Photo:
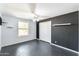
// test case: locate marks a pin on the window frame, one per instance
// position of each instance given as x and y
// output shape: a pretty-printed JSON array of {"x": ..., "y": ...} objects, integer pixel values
[{"x": 27, "y": 29}]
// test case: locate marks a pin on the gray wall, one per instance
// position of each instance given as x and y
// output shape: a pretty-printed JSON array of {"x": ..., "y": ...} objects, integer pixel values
[
  {"x": 0, "y": 35},
  {"x": 78, "y": 30},
  {"x": 66, "y": 36},
  {"x": 10, "y": 35}
]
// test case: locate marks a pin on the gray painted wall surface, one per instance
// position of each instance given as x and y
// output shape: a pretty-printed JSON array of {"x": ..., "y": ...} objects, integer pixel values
[{"x": 10, "y": 35}]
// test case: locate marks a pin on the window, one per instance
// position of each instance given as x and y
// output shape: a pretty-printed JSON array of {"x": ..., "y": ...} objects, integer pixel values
[{"x": 23, "y": 28}]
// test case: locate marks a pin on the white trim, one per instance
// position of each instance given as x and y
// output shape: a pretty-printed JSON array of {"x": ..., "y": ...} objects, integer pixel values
[
  {"x": 62, "y": 47},
  {"x": 16, "y": 43}
]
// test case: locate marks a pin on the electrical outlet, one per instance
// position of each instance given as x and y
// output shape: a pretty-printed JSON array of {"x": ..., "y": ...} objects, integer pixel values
[{"x": 55, "y": 41}]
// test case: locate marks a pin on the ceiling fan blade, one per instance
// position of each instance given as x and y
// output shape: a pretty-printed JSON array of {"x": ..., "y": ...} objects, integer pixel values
[
  {"x": 32, "y": 10},
  {"x": 39, "y": 15}
]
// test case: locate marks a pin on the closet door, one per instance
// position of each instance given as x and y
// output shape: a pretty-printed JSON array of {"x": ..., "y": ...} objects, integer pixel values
[{"x": 45, "y": 31}]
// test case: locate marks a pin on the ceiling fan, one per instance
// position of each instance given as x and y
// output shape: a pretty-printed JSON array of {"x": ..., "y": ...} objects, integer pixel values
[{"x": 33, "y": 9}]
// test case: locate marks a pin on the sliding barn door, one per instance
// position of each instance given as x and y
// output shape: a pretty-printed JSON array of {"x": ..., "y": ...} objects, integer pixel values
[{"x": 45, "y": 31}]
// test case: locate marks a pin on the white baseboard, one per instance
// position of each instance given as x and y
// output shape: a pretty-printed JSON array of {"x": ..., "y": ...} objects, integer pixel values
[
  {"x": 62, "y": 47},
  {"x": 16, "y": 43}
]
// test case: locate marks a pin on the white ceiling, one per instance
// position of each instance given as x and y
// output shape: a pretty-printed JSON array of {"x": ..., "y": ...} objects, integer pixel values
[
  {"x": 55, "y": 9},
  {"x": 19, "y": 10},
  {"x": 42, "y": 10}
]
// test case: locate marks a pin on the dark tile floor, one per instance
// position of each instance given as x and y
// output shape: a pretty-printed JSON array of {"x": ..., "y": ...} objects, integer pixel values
[{"x": 34, "y": 48}]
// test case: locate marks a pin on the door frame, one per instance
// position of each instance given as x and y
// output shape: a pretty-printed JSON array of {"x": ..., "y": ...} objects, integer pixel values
[{"x": 37, "y": 27}]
